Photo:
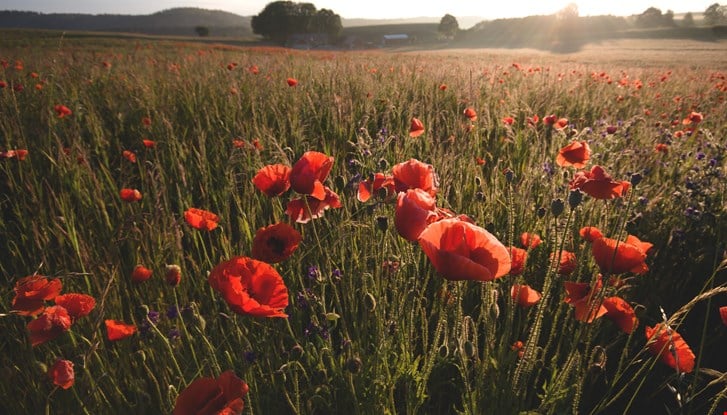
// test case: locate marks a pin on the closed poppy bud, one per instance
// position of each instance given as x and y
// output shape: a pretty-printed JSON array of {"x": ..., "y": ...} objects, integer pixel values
[
  {"x": 575, "y": 197},
  {"x": 370, "y": 302},
  {"x": 62, "y": 373},
  {"x": 173, "y": 275},
  {"x": 636, "y": 179},
  {"x": 416, "y": 128},
  {"x": 353, "y": 365},
  {"x": 140, "y": 274},
  {"x": 557, "y": 206}
]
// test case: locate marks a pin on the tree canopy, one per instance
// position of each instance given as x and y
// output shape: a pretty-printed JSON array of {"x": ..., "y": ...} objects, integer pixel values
[
  {"x": 280, "y": 19},
  {"x": 715, "y": 14},
  {"x": 448, "y": 26}
]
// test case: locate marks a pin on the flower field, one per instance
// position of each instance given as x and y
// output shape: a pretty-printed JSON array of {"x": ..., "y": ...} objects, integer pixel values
[{"x": 201, "y": 229}]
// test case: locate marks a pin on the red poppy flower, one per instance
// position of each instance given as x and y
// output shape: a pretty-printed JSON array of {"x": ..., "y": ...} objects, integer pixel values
[
  {"x": 62, "y": 373},
  {"x": 309, "y": 173},
  {"x": 77, "y": 305},
  {"x": 373, "y": 184},
  {"x": 250, "y": 287},
  {"x": 460, "y": 250},
  {"x": 149, "y": 143},
  {"x": 620, "y": 312},
  {"x": 146, "y": 121},
  {"x": 173, "y": 275},
  {"x": 273, "y": 179},
  {"x": 275, "y": 243},
  {"x": 508, "y": 120},
  {"x": 581, "y": 295},
  {"x": 304, "y": 210},
  {"x": 415, "y": 210},
  {"x": 530, "y": 240},
  {"x": 254, "y": 69},
  {"x": 416, "y": 128},
  {"x": 210, "y": 396},
  {"x": 470, "y": 113},
  {"x": 62, "y": 111},
  {"x": 32, "y": 291},
  {"x": 524, "y": 296},
  {"x": 723, "y": 314},
  {"x": 129, "y": 155},
  {"x": 590, "y": 233},
  {"x": 130, "y": 195},
  {"x": 567, "y": 263},
  {"x": 693, "y": 117},
  {"x": 414, "y": 174},
  {"x": 533, "y": 121},
  {"x": 201, "y": 219},
  {"x": 670, "y": 347},
  {"x": 617, "y": 257},
  {"x": 598, "y": 184},
  {"x": 561, "y": 123},
  {"x": 661, "y": 148},
  {"x": 52, "y": 323},
  {"x": 518, "y": 257},
  {"x": 140, "y": 274},
  {"x": 443, "y": 87},
  {"x": 3, "y": 84},
  {"x": 292, "y": 81},
  {"x": 550, "y": 119},
  {"x": 118, "y": 330},
  {"x": 575, "y": 154}
]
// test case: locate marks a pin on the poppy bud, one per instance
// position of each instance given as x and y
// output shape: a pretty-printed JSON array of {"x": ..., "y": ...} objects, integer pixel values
[
  {"x": 636, "y": 179},
  {"x": 370, "y": 302},
  {"x": 173, "y": 275},
  {"x": 383, "y": 164},
  {"x": 557, "y": 206},
  {"x": 382, "y": 223},
  {"x": 480, "y": 196},
  {"x": 353, "y": 365},
  {"x": 297, "y": 352},
  {"x": 469, "y": 349},
  {"x": 575, "y": 197},
  {"x": 443, "y": 351},
  {"x": 478, "y": 181},
  {"x": 540, "y": 212},
  {"x": 509, "y": 175}
]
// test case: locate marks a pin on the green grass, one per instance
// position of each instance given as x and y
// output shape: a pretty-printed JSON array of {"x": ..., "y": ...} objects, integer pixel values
[{"x": 424, "y": 344}]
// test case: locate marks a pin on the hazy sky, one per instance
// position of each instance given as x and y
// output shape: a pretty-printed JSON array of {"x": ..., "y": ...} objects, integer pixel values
[{"x": 366, "y": 8}]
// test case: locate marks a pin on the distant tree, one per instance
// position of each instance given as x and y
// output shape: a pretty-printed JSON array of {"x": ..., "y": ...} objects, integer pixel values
[
  {"x": 668, "y": 18},
  {"x": 280, "y": 19},
  {"x": 328, "y": 22},
  {"x": 568, "y": 36},
  {"x": 448, "y": 26},
  {"x": 651, "y": 17},
  {"x": 715, "y": 15},
  {"x": 202, "y": 31},
  {"x": 568, "y": 12},
  {"x": 688, "y": 20}
]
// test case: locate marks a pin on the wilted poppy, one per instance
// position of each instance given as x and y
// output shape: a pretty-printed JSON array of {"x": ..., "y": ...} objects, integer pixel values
[
  {"x": 415, "y": 210},
  {"x": 416, "y": 128},
  {"x": 575, "y": 154},
  {"x": 211, "y": 396},
  {"x": 414, "y": 174},
  {"x": 598, "y": 184},
  {"x": 201, "y": 219},
  {"x": 292, "y": 81},
  {"x": 118, "y": 330},
  {"x": 470, "y": 113},
  {"x": 62, "y": 111},
  {"x": 140, "y": 274},
  {"x": 250, "y": 287},
  {"x": 374, "y": 184},
  {"x": 273, "y": 179},
  {"x": 518, "y": 256},
  {"x": 530, "y": 240},
  {"x": 567, "y": 263},
  {"x": 582, "y": 296},
  {"x": 275, "y": 243},
  {"x": 62, "y": 374},
  {"x": 524, "y": 296},
  {"x": 304, "y": 210},
  {"x": 130, "y": 195},
  {"x": 670, "y": 347},
  {"x": 617, "y": 257},
  {"x": 77, "y": 305},
  {"x": 52, "y": 323},
  {"x": 32, "y": 291},
  {"x": 173, "y": 275},
  {"x": 309, "y": 173},
  {"x": 620, "y": 312},
  {"x": 129, "y": 155},
  {"x": 460, "y": 250}
]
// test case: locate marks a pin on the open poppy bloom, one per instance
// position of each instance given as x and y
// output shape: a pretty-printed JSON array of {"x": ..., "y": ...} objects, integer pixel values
[
  {"x": 201, "y": 219},
  {"x": 620, "y": 312},
  {"x": 52, "y": 323},
  {"x": 373, "y": 184},
  {"x": 617, "y": 257},
  {"x": 470, "y": 113},
  {"x": 275, "y": 243},
  {"x": 62, "y": 111},
  {"x": 416, "y": 128},
  {"x": 561, "y": 123},
  {"x": 530, "y": 240},
  {"x": 129, "y": 155},
  {"x": 309, "y": 173},
  {"x": 508, "y": 120},
  {"x": 693, "y": 117},
  {"x": 414, "y": 174},
  {"x": 20, "y": 154},
  {"x": 518, "y": 256},
  {"x": 212, "y": 396},
  {"x": 77, "y": 305},
  {"x": 292, "y": 81},
  {"x": 415, "y": 210},
  {"x": 590, "y": 233},
  {"x": 723, "y": 314},
  {"x": 304, "y": 210},
  {"x": 149, "y": 143},
  {"x": 581, "y": 295},
  {"x": 575, "y": 154},
  {"x": 670, "y": 347},
  {"x": 460, "y": 250},
  {"x": 118, "y": 330},
  {"x": 32, "y": 291},
  {"x": 273, "y": 179},
  {"x": 62, "y": 373},
  {"x": 130, "y": 195},
  {"x": 598, "y": 184},
  {"x": 140, "y": 274},
  {"x": 250, "y": 287},
  {"x": 567, "y": 263},
  {"x": 524, "y": 296},
  {"x": 550, "y": 119}
]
